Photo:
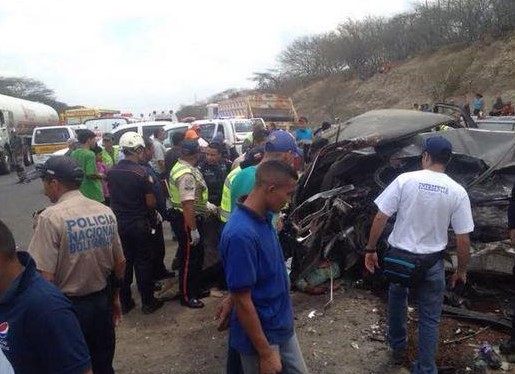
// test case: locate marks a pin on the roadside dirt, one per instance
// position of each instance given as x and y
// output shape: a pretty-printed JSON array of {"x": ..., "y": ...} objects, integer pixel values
[{"x": 346, "y": 338}]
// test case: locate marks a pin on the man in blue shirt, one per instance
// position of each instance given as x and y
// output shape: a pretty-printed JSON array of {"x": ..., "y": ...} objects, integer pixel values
[
  {"x": 39, "y": 331},
  {"x": 261, "y": 327}
]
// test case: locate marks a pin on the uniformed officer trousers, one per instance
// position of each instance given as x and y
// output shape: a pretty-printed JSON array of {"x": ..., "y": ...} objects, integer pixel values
[
  {"x": 137, "y": 247},
  {"x": 94, "y": 312},
  {"x": 190, "y": 257}
]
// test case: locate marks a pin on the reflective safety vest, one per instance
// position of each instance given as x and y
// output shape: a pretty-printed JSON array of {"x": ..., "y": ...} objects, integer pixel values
[
  {"x": 225, "y": 205},
  {"x": 108, "y": 160},
  {"x": 178, "y": 170}
]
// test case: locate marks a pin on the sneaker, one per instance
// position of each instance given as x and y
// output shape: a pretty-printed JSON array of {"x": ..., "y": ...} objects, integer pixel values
[
  {"x": 126, "y": 308},
  {"x": 398, "y": 356},
  {"x": 193, "y": 303},
  {"x": 152, "y": 307},
  {"x": 507, "y": 347}
]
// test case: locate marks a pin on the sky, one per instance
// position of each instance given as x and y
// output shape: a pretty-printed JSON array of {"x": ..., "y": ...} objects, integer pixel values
[{"x": 144, "y": 55}]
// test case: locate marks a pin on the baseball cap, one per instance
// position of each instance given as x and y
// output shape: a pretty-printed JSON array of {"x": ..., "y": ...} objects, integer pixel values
[
  {"x": 108, "y": 136},
  {"x": 253, "y": 157},
  {"x": 436, "y": 145},
  {"x": 281, "y": 141},
  {"x": 189, "y": 147},
  {"x": 60, "y": 167},
  {"x": 85, "y": 135}
]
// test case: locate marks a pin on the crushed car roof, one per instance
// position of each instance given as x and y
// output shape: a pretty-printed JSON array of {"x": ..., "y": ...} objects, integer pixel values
[{"x": 387, "y": 124}]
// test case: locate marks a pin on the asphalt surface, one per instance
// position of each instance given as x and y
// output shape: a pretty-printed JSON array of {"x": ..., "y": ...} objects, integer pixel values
[{"x": 17, "y": 203}]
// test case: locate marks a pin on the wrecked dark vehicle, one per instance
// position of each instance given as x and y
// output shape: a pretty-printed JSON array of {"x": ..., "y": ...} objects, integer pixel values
[{"x": 333, "y": 209}]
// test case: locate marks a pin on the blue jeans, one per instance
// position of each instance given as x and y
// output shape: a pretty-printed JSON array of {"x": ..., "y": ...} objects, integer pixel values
[
  {"x": 430, "y": 301},
  {"x": 291, "y": 359}
]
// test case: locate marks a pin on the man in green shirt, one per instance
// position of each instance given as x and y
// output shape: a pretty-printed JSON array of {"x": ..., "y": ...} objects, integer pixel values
[{"x": 91, "y": 186}]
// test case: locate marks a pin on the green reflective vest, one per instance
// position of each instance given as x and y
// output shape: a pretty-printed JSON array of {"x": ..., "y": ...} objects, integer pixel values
[
  {"x": 178, "y": 170},
  {"x": 108, "y": 160},
  {"x": 225, "y": 205}
]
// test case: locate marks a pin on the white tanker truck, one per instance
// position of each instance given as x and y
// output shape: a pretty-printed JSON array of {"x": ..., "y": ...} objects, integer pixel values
[{"x": 19, "y": 117}]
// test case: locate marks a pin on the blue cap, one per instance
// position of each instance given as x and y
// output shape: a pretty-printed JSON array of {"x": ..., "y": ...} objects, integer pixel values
[
  {"x": 190, "y": 147},
  {"x": 436, "y": 145},
  {"x": 281, "y": 141}
]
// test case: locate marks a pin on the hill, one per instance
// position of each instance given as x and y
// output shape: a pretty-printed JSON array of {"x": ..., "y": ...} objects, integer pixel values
[{"x": 452, "y": 73}]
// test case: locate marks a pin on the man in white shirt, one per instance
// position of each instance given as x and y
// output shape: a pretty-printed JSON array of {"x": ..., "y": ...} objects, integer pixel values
[
  {"x": 426, "y": 203},
  {"x": 158, "y": 159}
]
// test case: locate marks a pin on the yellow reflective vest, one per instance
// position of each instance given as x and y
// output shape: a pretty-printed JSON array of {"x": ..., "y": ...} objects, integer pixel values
[
  {"x": 225, "y": 205},
  {"x": 178, "y": 170}
]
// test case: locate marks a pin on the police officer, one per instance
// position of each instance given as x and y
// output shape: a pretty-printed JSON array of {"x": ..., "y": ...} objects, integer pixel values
[
  {"x": 134, "y": 203},
  {"x": 214, "y": 170},
  {"x": 158, "y": 254},
  {"x": 189, "y": 196},
  {"x": 76, "y": 246}
]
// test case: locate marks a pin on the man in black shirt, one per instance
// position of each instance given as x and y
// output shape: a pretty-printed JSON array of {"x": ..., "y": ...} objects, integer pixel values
[
  {"x": 173, "y": 154},
  {"x": 214, "y": 170},
  {"x": 134, "y": 204}
]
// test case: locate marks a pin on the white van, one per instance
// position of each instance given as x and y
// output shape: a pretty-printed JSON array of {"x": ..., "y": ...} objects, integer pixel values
[{"x": 49, "y": 139}]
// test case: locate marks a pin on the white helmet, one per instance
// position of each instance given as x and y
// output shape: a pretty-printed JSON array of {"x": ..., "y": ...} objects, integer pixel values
[{"x": 131, "y": 140}]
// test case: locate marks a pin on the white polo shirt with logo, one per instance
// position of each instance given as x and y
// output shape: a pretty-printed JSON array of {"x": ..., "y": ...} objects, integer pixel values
[{"x": 427, "y": 203}]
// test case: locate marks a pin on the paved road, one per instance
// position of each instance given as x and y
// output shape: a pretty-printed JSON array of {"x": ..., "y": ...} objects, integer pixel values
[{"x": 17, "y": 203}]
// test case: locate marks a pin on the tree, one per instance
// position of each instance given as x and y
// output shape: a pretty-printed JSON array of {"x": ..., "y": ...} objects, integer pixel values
[{"x": 30, "y": 89}]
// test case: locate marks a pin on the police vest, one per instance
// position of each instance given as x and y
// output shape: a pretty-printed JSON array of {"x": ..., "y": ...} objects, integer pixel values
[
  {"x": 178, "y": 170},
  {"x": 225, "y": 205}
]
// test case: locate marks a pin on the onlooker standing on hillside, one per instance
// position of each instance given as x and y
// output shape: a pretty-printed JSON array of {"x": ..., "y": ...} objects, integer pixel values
[
  {"x": 261, "y": 328},
  {"x": 304, "y": 136},
  {"x": 91, "y": 185},
  {"x": 478, "y": 104},
  {"x": 158, "y": 159},
  {"x": 497, "y": 107},
  {"x": 426, "y": 202}
]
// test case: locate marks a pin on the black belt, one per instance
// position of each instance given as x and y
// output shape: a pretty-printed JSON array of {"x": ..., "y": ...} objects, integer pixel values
[{"x": 89, "y": 296}]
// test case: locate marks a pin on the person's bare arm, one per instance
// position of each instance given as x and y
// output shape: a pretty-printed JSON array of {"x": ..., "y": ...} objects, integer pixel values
[
  {"x": 89, "y": 371},
  {"x": 463, "y": 252},
  {"x": 269, "y": 360},
  {"x": 161, "y": 165},
  {"x": 377, "y": 229},
  {"x": 188, "y": 208},
  {"x": 371, "y": 259}
]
